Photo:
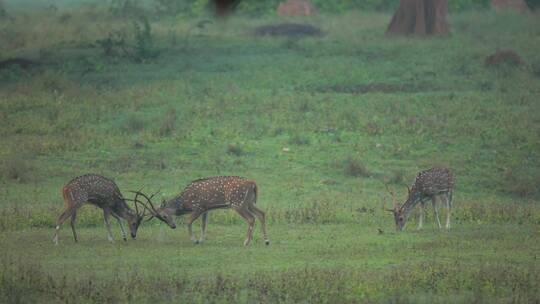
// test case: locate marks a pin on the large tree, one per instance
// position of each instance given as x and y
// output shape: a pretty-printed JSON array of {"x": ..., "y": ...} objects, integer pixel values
[{"x": 420, "y": 17}]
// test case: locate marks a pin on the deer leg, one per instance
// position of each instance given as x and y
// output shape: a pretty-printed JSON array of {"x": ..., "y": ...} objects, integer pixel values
[
  {"x": 192, "y": 218},
  {"x": 422, "y": 214},
  {"x": 122, "y": 229},
  {"x": 261, "y": 216},
  {"x": 251, "y": 221},
  {"x": 436, "y": 211},
  {"x": 61, "y": 219},
  {"x": 106, "y": 214},
  {"x": 204, "y": 222},
  {"x": 448, "y": 209},
  {"x": 73, "y": 219},
  {"x": 121, "y": 224}
]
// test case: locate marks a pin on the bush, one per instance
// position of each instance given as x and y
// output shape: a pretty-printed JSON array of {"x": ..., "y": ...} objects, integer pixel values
[
  {"x": 169, "y": 124},
  {"x": 355, "y": 168},
  {"x": 16, "y": 168},
  {"x": 127, "y": 8},
  {"x": 235, "y": 149},
  {"x": 133, "y": 124},
  {"x": 522, "y": 180},
  {"x": 144, "y": 41}
]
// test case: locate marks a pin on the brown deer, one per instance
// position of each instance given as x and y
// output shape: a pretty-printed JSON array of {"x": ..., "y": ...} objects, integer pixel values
[
  {"x": 206, "y": 194},
  {"x": 428, "y": 185},
  {"x": 102, "y": 193}
]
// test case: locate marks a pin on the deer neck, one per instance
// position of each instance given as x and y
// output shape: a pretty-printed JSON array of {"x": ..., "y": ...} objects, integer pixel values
[
  {"x": 411, "y": 202},
  {"x": 124, "y": 211},
  {"x": 177, "y": 205}
]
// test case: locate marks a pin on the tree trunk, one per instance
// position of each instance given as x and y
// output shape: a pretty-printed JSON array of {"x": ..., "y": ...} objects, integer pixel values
[{"x": 420, "y": 17}]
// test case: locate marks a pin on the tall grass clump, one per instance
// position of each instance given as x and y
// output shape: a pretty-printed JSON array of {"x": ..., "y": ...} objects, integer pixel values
[
  {"x": 355, "y": 168},
  {"x": 17, "y": 168}
]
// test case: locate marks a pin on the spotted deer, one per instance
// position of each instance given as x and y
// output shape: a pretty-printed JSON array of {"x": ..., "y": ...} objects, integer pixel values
[
  {"x": 206, "y": 194},
  {"x": 428, "y": 185},
  {"x": 102, "y": 193}
]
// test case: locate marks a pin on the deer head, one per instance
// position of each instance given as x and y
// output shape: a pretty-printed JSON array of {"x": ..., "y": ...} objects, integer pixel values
[
  {"x": 136, "y": 219},
  {"x": 164, "y": 214},
  {"x": 399, "y": 216}
]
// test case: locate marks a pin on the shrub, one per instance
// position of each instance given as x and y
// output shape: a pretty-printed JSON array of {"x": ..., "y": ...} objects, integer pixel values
[
  {"x": 522, "y": 180},
  {"x": 16, "y": 168},
  {"x": 355, "y": 168},
  {"x": 299, "y": 140},
  {"x": 235, "y": 149},
  {"x": 127, "y": 8},
  {"x": 169, "y": 123},
  {"x": 133, "y": 124},
  {"x": 396, "y": 176},
  {"x": 144, "y": 41}
]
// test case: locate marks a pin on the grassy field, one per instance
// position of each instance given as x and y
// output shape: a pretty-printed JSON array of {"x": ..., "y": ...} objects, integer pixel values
[{"x": 320, "y": 123}]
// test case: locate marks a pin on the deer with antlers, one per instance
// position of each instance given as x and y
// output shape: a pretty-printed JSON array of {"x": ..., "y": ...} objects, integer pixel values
[
  {"x": 428, "y": 185},
  {"x": 102, "y": 193},
  {"x": 206, "y": 194}
]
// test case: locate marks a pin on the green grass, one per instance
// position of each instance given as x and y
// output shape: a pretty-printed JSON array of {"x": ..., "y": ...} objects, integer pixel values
[{"x": 319, "y": 123}]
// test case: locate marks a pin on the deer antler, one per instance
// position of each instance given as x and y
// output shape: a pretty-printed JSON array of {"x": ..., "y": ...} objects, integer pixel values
[
  {"x": 394, "y": 201},
  {"x": 152, "y": 209}
]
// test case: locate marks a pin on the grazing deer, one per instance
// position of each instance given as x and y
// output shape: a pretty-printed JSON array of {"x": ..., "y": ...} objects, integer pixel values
[
  {"x": 429, "y": 184},
  {"x": 102, "y": 193},
  {"x": 203, "y": 195}
]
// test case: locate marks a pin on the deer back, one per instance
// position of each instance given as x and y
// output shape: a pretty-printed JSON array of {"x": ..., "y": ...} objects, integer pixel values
[
  {"x": 93, "y": 188},
  {"x": 432, "y": 182},
  {"x": 216, "y": 192}
]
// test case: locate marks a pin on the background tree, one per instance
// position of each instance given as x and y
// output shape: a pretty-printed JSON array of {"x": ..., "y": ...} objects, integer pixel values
[{"x": 420, "y": 17}]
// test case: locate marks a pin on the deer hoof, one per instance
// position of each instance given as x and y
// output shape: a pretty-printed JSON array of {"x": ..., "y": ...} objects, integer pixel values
[
  {"x": 125, "y": 239},
  {"x": 267, "y": 242},
  {"x": 196, "y": 242}
]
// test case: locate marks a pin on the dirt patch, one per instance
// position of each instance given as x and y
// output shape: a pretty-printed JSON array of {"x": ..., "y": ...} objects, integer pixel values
[
  {"x": 20, "y": 62},
  {"x": 504, "y": 57},
  {"x": 288, "y": 30},
  {"x": 376, "y": 87}
]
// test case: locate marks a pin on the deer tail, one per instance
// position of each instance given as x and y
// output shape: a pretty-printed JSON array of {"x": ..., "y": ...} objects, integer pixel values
[{"x": 66, "y": 194}]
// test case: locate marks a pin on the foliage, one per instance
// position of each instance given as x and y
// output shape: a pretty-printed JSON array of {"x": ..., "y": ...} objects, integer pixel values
[
  {"x": 144, "y": 48},
  {"x": 235, "y": 104},
  {"x": 16, "y": 167},
  {"x": 127, "y": 8}
]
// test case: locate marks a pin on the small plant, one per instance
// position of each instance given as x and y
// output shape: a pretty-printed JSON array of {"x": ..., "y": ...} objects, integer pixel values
[
  {"x": 355, "y": 168},
  {"x": 114, "y": 45},
  {"x": 133, "y": 124},
  {"x": 169, "y": 123},
  {"x": 16, "y": 168},
  {"x": 144, "y": 41},
  {"x": 522, "y": 181},
  {"x": 126, "y": 8},
  {"x": 396, "y": 176},
  {"x": 299, "y": 140},
  {"x": 235, "y": 149},
  {"x": 372, "y": 128},
  {"x": 172, "y": 7}
]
